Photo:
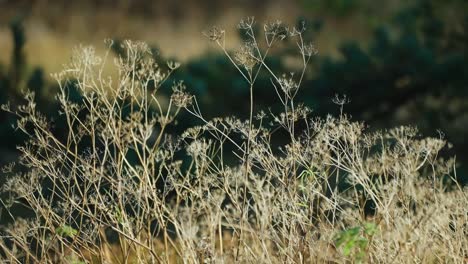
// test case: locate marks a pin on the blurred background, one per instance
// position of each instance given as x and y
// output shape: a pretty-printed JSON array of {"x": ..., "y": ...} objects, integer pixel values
[{"x": 399, "y": 62}]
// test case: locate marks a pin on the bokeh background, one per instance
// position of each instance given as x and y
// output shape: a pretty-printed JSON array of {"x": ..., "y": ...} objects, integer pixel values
[{"x": 399, "y": 62}]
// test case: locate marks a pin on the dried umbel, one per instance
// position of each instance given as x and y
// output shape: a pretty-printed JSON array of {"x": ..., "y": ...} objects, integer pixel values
[
  {"x": 309, "y": 50},
  {"x": 288, "y": 84},
  {"x": 276, "y": 29},
  {"x": 179, "y": 95},
  {"x": 245, "y": 57},
  {"x": 246, "y": 23},
  {"x": 214, "y": 33}
]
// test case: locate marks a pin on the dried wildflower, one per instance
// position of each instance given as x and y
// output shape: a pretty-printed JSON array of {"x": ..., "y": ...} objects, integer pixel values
[
  {"x": 8, "y": 168},
  {"x": 275, "y": 30},
  {"x": 192, "y": 133},
  {"x": 341, "y": 100},
  {"x": 84, "y": 58},
  {"x": 135, "y": 49},
  {"x": 179, "y": 96},
  {"x": 173, "y": 65},
  {"x": 214, "y": 33},
  {"x": 246, "y": 23},
  {"x": 309, "y": 50},
  {"x": 205, "y": 252},
  {"x": 263, "y": 191},
  {"x": 260, "y": 115},
  {"x": 246, "y": 57},
  {"x": 109, "y": 42},
  {"x": 198, "y": 147},
  {"x": 298, "y": 30},
  {"x": 288, "y": 84}
]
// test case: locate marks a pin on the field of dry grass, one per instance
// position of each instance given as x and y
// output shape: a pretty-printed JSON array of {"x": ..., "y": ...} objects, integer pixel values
[{"x": 118, "y": 188}]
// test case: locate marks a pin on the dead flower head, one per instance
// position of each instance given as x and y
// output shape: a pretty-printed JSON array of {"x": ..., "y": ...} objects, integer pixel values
[
  {"x": 214, "y": 34},
  {"x": 245, "y": 56}
]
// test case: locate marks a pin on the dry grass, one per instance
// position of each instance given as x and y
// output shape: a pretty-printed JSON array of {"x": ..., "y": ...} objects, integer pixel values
[{"x": 332, "y": 193}]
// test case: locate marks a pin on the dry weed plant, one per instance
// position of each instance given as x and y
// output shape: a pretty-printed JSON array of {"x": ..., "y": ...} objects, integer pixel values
[{"x": 333, "y": 193}]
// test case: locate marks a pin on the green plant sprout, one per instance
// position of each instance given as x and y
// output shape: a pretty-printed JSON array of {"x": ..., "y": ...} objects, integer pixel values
[{"x": 354, "y": 241}]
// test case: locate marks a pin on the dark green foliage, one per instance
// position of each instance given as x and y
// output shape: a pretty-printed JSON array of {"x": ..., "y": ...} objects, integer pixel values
[
  {"x": 354, "y": 241},
  {"x": 335, "y": 7},
  {"x": 11, "y": 77},
  {"x": 66, "y": 231}
]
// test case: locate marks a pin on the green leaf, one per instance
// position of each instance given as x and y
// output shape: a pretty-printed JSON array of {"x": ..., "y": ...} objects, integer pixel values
[
  {"x": 370, "y": 229},
  {"x": 66, "y": 231},
  {"x": 348, "y": 247}
]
